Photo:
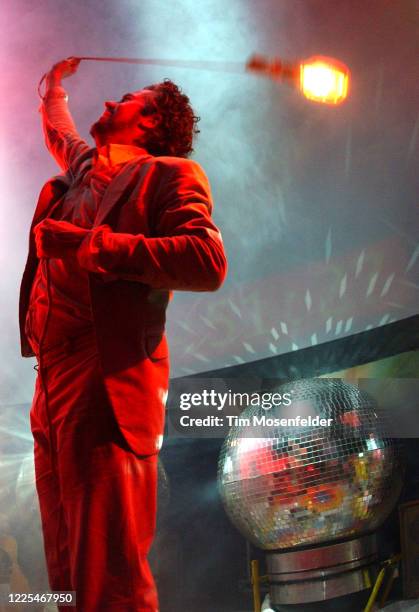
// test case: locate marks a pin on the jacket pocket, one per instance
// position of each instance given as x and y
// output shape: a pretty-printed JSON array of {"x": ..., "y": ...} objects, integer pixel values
[{"x": 156, "y": 347}]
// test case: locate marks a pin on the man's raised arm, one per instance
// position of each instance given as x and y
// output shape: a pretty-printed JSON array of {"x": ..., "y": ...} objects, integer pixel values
[{"x": 61, "y": 136}]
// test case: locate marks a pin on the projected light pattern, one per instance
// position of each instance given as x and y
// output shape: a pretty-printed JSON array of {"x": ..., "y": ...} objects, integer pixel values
[
  {"x": 306, "y": 485},
  {"x": 275, "y": 315},
  {"x": 19, "y": 518},
  {"x": 15, "y": 436}
]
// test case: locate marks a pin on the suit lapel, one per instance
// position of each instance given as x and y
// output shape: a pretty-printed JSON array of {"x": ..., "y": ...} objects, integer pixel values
[{"x": 119, "y": 188}]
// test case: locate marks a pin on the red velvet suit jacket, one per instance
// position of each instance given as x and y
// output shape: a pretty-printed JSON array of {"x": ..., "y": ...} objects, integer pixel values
[{"x": 163, "y": 238}]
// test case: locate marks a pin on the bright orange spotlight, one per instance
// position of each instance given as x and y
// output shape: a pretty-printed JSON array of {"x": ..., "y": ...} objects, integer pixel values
[{"x": 323, "y": 79}]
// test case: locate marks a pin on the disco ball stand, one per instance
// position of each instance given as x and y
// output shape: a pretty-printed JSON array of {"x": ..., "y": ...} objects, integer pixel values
[{"x": 313, "y": 496}]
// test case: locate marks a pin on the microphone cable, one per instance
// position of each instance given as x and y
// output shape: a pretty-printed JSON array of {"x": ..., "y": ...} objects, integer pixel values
[{"x": 217, "y": 66}]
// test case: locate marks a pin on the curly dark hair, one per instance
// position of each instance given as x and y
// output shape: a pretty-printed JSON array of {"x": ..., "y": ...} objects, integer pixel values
[{"x": 174, "y": 134}]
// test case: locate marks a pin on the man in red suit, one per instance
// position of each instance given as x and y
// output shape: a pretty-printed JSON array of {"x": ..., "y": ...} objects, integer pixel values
[{"x": 127, "y": 222}]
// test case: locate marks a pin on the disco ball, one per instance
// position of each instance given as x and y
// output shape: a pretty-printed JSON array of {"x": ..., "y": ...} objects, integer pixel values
[{"x": 298, "y": 486}]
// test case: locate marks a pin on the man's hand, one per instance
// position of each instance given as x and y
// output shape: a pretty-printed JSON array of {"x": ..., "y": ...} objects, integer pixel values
[
  {"x": 62, "y": 70},
  {"x": 58, "y": 239}
]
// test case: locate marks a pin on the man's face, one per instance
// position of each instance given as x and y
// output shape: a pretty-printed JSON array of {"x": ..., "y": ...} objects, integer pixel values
[{"x": 123, "y": 122}]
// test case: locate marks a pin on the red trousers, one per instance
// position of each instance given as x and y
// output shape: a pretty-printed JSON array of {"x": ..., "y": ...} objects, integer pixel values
[{"x": 97, "y": 498}]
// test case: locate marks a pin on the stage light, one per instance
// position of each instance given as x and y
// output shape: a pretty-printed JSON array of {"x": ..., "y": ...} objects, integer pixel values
[
  {"x": 323, "y": 79},
  {"x": 320, "y": 79}
]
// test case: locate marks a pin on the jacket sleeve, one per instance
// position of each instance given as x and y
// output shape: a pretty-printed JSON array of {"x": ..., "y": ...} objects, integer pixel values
[
  {"x": 61, "y": 136},
  {"x": 187, "y": 252}
]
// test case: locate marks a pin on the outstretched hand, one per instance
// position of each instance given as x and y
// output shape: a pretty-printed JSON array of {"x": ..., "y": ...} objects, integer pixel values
[
  {"x": 65, "y": 68},
  {"x": 58, "y": 239},
  {"x": 62, "y": 70}
]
